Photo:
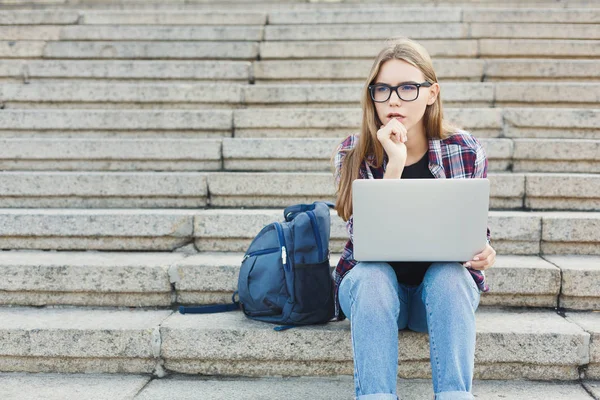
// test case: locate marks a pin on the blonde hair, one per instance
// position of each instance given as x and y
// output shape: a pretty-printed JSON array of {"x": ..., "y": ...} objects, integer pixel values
[{"x": 435, "y": 127}]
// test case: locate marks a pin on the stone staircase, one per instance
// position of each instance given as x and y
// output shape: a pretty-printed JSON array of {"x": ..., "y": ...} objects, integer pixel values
[{"x": 143, "y": 144}]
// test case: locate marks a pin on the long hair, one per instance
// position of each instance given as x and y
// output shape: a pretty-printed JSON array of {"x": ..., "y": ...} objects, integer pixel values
[{"x": 435, "y": 126}]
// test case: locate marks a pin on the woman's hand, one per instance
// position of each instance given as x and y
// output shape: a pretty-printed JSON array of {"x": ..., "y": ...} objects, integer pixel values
[
  {"x": 392, "y": 137},
  {"x": 483, "y": 260}
]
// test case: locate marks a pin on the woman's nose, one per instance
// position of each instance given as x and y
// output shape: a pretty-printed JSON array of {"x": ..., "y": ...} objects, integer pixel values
[{"x": 394, "y": 98}]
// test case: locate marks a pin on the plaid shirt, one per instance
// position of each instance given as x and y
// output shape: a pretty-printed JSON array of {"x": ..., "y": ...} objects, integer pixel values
[{"x": 458, "y": 156}]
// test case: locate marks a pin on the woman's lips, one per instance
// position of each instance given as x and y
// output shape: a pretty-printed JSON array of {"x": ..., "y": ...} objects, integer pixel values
[{"x": 399, "y": 118}]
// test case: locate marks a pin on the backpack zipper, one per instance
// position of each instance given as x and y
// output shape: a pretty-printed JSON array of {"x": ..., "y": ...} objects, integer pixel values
[
  {"x": 313, "y": 222},
  {"x": 260, "y": 252},
  {"x": 283, "y": 249}
]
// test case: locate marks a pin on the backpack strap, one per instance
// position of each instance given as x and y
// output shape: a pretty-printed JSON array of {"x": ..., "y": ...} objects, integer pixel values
[{"x": 211, "y": 309}]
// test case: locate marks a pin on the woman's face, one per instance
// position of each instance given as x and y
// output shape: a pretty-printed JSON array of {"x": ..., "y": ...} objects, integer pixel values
[{"x": 393, "y": 73}]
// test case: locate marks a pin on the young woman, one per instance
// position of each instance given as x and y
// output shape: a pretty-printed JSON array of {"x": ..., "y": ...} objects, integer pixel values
[{"x": 403, "y": 135}]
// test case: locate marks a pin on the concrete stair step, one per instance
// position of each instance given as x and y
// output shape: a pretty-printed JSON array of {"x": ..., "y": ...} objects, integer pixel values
[
  {"x": 507, "y": 14},
  {"x": 515, "y": 281},
  {"x": 480, "y": 39},
  {"x": 286, "y": 5},
  {"x": 439, "y": 48},
  {"x": 179, "y": 45},
  {"x": 111, "y": 154},
  {"x": 564, "y": 123},
  {"x": 49, "y": 386},
  {"x": 311, "y": 154},
  {"x": 264, "y": 154},
  {"x": 288, "y": 71},
  {"x": 132, "y": 279},
  {"x": 513, "y": 344},
  {"x": 117, "y": 279},
  {"x": 349, "y": 70},
  {"x": 115, "y": 32},
  {"x": 312, "y": 14},
  {"x": 105, "y": 123},
  {"x": 81, "y": 340},
  {"x": 513, "y": 232},
  {"x": 44, "y": 189},
  {"x": 227, "y": 95},
  {"x": 153, "y": 50},
  {"x": 104, "y": 190},
  {"x": 116, "y": 229},
  {"x": 27, "y": 386},
  {"x": 508, "y": 190},
  {"x": 189, "y": 17},
  {"x": 439, "y": 30},
  {"x": 116, "y": 70}
]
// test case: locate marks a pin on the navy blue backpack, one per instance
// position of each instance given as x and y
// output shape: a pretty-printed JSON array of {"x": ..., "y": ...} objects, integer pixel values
[{"x": 284, "y": 277}]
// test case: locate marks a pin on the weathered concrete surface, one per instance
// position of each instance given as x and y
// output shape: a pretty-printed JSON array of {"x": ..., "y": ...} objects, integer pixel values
[
  {"x": 580, "y": 288},
  {"x": 563, "y": 70},
  {"x": 555, "y": 94},
  {"x": 342, "y": 388},
  {"x": 278, "y": 154},
  {"x": 311, "y": 154},
  {"x": 358, "y": 48},
  {"x": 110, "y": 154},
  {"x": 158, "y": 50},
  {"x": 348, "y": 16},
  {"x": 356, "y": 70},
  {"x": 590, "y": 322},
  {"x": 522, "y": 32},
  {"x": 556, "y": 155},
  {"x": 522, "y": 281},
  {"x": 554, "y": 123},
  {"x": 103, "y": 341},
  {"x": 443, "y": 14},
  {"x": 77, "y": 229},
  {"x": 593, "y": 387},
  {"x": 510, "y": 14},
  {"x": 130, "y": 69},
  {"x": 232, "y": 230},
  {"x": 42, "y": 189},
  {"x": 563, "y": 192},
  {"x": 70, "y": 387},
  {"x": 115, "y": 120},
  {"x": 189, "y": 17},
  {"x": 232, "y": 344},
  {"x": 487, "y": 121},
  {"x": 277, "y": 189},
  {"x": 446, "y": 30},
  {"x": 41, "y": 17},
  {"x": 86, "y": 278},
  {"x": 206, "y": 278},
  {"x": 162, "y": 33},
  {"x": 514, "y": 281},
  {"x": 161, "y": 93},
  {"x": 30, "y": 32},
  {"x": 21, "y": 49},
  {"x": 570, "y": 233}
]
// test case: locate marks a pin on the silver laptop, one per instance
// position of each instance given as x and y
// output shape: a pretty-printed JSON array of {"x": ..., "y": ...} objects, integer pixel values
[{"x": 419, "y": 219}]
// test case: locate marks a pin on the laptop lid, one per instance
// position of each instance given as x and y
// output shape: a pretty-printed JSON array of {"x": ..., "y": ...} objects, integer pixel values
[{"x": 419, "y": 219}]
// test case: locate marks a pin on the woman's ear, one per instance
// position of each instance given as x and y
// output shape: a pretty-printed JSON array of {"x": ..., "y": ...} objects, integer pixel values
[{"x": 434, "y": 90}]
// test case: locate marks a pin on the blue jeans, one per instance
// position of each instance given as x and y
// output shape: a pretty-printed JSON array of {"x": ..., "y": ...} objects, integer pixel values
[{"x": 378, "y": 306}]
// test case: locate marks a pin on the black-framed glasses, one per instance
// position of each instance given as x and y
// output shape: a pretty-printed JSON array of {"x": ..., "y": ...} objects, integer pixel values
[{"x": 380, "y": 92}]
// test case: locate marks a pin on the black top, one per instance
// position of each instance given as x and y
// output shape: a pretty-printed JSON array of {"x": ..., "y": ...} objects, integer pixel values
[{"x": 412, "y": 273}]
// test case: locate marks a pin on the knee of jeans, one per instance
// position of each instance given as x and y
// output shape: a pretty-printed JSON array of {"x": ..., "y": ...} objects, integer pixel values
[
  {"x": 449, "y": 277},
  {"x": 374, "y": 282}
]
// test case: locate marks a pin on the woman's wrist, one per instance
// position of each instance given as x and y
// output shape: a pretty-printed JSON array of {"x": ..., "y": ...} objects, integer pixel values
[{"x": 393, "y": 170}]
